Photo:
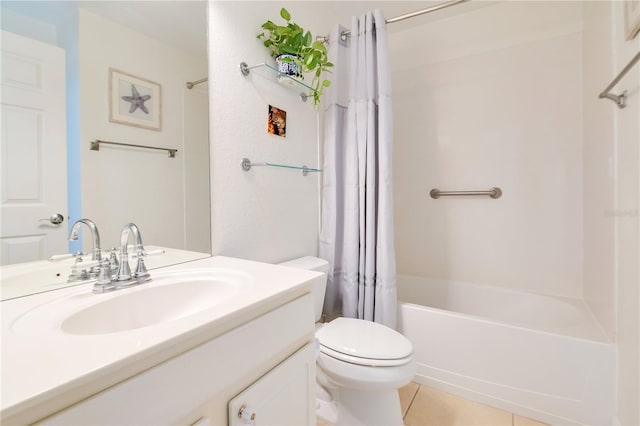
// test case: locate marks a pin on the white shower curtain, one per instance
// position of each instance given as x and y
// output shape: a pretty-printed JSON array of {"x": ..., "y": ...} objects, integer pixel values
[{"x": 357, "y": 207}]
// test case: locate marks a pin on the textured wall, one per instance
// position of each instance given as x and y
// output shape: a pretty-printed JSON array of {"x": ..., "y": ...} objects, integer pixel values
[{"x": 265, "y": 214}]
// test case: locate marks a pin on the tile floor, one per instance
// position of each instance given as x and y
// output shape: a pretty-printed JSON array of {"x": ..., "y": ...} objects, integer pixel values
[{"x": 425, "y": 406}]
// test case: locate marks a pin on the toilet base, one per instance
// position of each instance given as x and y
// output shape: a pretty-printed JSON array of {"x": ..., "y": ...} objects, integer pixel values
[{"x": 371, "y": 408}]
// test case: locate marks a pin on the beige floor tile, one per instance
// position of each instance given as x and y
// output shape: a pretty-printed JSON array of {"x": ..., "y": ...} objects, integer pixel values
[
  {"x": 432, "y": 407},
  {"x": 523, "y": 421},
  {"x": 406, "y": 396}
]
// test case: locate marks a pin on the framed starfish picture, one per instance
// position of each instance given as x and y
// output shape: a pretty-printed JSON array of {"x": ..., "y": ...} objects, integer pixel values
[{"x": 134, "y": 101}]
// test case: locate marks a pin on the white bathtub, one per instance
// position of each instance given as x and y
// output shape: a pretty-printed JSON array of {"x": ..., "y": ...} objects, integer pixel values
[{"x": 539, "y": 356}]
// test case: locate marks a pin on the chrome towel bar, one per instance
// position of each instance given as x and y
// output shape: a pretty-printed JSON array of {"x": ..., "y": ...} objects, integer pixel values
[
  {"x": 494, "y": 192},
  {"x": 192, "y": 84},
  {"x": 621, "y": 99},
  {"x": 95, "y": 146}
]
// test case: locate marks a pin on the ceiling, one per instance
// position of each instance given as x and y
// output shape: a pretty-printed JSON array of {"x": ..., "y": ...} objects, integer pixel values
[
  {"x": 179, "y": 23},
  {"x": 183, "y": 23}
]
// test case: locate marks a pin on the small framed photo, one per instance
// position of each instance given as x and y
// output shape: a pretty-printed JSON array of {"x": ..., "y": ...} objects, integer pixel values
[
  {"x": 277, "y": 121},
  {"x": 134, "y": 101},
  {"x": 631, "y": 18}
]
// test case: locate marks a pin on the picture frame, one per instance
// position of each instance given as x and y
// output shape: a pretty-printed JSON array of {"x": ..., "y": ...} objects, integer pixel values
[
  {"x": 631, "y": 19},
  {"x": 277, "y": 121},
  {"x": 134, "y": 101}
]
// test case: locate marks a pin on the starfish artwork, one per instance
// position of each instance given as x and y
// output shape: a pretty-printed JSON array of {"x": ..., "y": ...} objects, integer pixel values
[{"x": 136, "y": 100}]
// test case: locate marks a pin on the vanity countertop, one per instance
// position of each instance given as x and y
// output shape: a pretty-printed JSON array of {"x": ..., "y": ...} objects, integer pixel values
[{"x": 45, "y": 369}]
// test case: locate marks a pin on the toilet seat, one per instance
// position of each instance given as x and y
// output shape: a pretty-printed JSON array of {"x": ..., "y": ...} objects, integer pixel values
[
  {"x": 364, "y": 343},
  {"x": 370, "y": 362}
]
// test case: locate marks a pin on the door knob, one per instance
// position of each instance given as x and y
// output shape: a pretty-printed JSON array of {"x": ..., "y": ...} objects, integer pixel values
[{"x": 55, "y": 219}]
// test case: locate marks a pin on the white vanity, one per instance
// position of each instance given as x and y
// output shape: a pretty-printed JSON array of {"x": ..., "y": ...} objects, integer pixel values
[{"x": 211, "y": 342}]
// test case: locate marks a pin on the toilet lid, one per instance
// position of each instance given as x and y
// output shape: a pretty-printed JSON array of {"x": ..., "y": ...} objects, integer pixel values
[{"x": 356, "y": 338}]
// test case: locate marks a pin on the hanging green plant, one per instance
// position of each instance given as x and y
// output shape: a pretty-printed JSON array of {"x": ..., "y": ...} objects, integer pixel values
[{"x": 296, "y": 53}]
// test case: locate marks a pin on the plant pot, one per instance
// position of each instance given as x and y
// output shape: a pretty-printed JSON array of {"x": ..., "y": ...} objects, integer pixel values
[{"x": 289, "y": 69}]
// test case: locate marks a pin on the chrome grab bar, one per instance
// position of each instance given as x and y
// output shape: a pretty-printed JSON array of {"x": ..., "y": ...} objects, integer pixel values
[{"x": 494, "y": 192}]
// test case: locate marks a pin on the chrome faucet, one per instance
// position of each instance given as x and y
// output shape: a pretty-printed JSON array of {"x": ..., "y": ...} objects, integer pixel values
[
  {"x": 95, "y": 236},
  {"x": 79, "y": 273},
  {"x": 124, "y": 276},
  {"x": 104, "y": 268}
]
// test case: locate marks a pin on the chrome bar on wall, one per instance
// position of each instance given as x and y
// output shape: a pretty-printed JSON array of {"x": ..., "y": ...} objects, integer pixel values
[
  {"x": 190, "y": 84},
  {"x": 494, "y": 192},
  {"x": 621, "y": 99},
  {"x": 95, "y": 146}
]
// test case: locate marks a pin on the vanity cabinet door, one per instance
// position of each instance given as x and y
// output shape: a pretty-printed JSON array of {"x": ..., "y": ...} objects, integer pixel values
[{"x": 283, "y": 396}]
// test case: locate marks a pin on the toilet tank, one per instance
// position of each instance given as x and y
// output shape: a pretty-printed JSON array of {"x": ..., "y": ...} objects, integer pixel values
[{"x": 311, "y": 263}]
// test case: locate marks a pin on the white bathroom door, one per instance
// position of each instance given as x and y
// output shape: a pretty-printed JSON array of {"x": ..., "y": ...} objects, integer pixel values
[{"x": 33, "y": 150}]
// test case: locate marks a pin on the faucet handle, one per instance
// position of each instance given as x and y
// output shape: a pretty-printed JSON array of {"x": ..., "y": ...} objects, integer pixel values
[
  {"x": 146, "y": 253},
  {"x": 85, "y": 265},
  {"x": 104, "y": 282},
  {"x": 59, "y": 257},
  {"x": 113, "y": 259},
  {"x": 141, "y": 273}
]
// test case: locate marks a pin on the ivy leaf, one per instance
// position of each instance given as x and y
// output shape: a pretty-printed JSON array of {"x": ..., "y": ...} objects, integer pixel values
[
  {"x": 269, "y": 26},
  {"x": 285, "y": 14},
  {"x": 311, "y": 61},
  {"x": 307, "y": 38},
  {"x": 288, "y": 49},
  {"x": 319, "y": 46},
  {"x": 280, "y": 30},
  {"x": 326, "y": 83}
]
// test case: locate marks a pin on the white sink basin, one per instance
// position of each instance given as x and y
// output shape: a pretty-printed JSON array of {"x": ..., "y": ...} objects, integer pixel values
[{"x": 166, "y": 298}]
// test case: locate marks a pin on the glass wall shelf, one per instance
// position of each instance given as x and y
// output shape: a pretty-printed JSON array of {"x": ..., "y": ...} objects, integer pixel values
[
  {"x": 282, "y": 78},
  {"x": 246, "y": 165}
]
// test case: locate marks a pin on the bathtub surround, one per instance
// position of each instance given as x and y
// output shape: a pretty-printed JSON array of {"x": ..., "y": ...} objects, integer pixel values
[
  {"x": 611, "y": 196},
  {"x": 357, "y": 227},
  {"x": 507, "y": 95},
  {"x": 491, "y": 98},
  {"x": 627, "y": 224}
]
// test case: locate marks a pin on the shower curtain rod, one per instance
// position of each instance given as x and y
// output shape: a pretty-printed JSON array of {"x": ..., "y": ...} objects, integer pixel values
[{"x": 403, "y": 17}]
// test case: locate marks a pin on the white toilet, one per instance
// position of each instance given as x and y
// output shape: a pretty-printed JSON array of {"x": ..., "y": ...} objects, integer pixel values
[{"x": 360, "y": 365}]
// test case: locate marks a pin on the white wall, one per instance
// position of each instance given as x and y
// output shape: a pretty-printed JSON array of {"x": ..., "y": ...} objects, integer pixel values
[
  {"x": 611, "y": 195},
  {"x": 152, "y": 194},
  {"x": 489, "y": 98},
  {"x": 626, "y": 216},
  {"x": 265, "y": 214},
  {"x": 598, "y": 159}
]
